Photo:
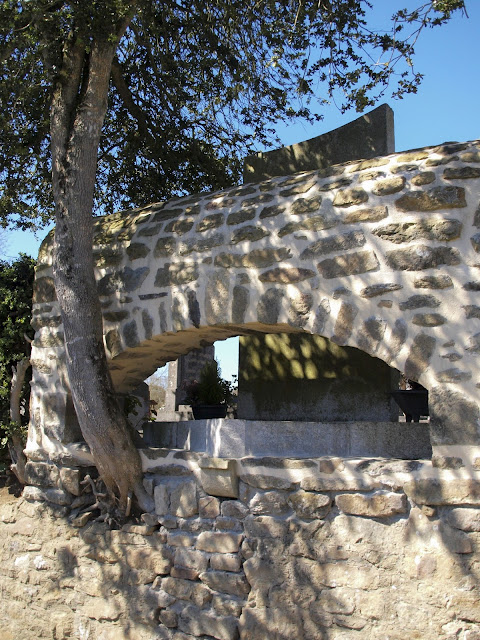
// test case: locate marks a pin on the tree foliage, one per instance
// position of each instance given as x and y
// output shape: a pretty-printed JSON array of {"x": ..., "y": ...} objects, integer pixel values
[
  {"x": 194, "y": 85},
  {"x": 16, "y": 289}
]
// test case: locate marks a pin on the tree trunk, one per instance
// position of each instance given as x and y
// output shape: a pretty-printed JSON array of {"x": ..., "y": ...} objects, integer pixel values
[
  {"x": 16, "y": 446},
  {"x": 78, "y": 110}
]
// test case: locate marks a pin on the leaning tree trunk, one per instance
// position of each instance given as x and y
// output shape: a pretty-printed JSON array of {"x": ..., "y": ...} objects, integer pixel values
[{"x": 78, "y": 110}]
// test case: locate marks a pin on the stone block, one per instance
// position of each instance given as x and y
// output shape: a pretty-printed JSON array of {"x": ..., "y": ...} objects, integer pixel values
[
  {"x": 42, "y": 474},
  {"x": 381, "y": 504},
  {"x": 465, "y": 519},
  {"x": 70, "y": 480},
  {"x": 181, "y": 539},
  {"x": 219, "y": 479},
  {"x": 234, "y": 509},
  {"x": 268, "y": 503},
  {"x": 209, "y": 507},
  {"x": 309, "y": 505},
  {"x": 191, "y": 559},
  {"x": 265, "y": 527},
  {"x": 183, "y": 500},
  {"x": 196, "y": 622},
  {"x": 225, "y": 562},
  {"x": 234, "y": 584},
  {"x": 435, "y": 491},
  {"x": 227, "y": 605},
  {"x": 219, "y": 542}
]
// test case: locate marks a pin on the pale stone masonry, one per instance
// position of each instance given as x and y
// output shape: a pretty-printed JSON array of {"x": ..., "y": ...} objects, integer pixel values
[{"x": 381, "y": 254}]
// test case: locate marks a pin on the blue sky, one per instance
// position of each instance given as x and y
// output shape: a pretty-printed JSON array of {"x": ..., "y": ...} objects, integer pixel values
[{"x": 446, "y": 107}]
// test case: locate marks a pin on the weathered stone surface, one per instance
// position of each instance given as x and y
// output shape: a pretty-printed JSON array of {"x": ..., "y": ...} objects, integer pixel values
[
  {"x": 232, "y": 583},
  {"x": 453, "y": 375},
  {"x": 113, "y": 342},
  {"x": 428, "y": 229},
  {"x": 301, "y": 187},
  {"x": 312, "y": 223},
  {"x": 371, "y": 175},
  {"x": 418, "y": 301},
  {"x": 309, "y": 505},
  {"x": 107, "y": 257},
  {"x": 219, "y": 542},
  {"x": 419, "y": 257},
  {"x": 258, "y": 258},
  {"x": 197, "y": 622},
  {"x": 150, "y": 230},
  {"x": 265, "y": 527},
  {"x": 344, "y": 242},
  {"x": 465, "y": 519},
  {"x": 44, "y": 290},
  {"x": 433, "y": 282},
  {"x": 269, "y": 503},
  {"x": 179, "y": 226},
  {"x": 211, "y": 222},
  {"x": 348, "y": 265},
  {"x": 425, "y": 177},
  {"x": 271, "y": 212},
  {"x": 249, "y": 233},
  {"x": 461, "y": 173},
  {"x": 435, "y": 199},
  {"x": 365, "y": 215},
  {"x": 183, "y": 500},
  {"x": 176, "y": 274},
  {"x": 428, "y": 319},
  {"x": 240, "y": 302},
  {"x": 305, "y": 205},
  {"x": 241, "y": 216},
  {"x": 216, "y": 298},
  {"x": 388, "y": 186},
  {"x": 453, "y": 418},
  {"x": 433, "y": 491},
  {"x": 165, "y": 247},
  {"x": 371, "y": 333},
  {"x": 286, "y": 275},
  {"x": 137, "y": 250},
  {"x": 375, "y": 290},
  {"x": 130, "y": 334},
  {"x": 349, "y": 197},
  {"x": 381, "y": 504},
  {"x": 42, "y": 474},
  {"x": 419, "y": 356},
  {"x": 115, "y": 316},
  {"x": 200, "y": 245},
  {"x": 269, "y": 306},
  {"x": 344, "y": 323}
]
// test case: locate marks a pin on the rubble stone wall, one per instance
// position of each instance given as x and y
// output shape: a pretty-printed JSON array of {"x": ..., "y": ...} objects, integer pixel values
[
  {"x": 381, "y": 255},
  {"x": 252, "y": 549}
]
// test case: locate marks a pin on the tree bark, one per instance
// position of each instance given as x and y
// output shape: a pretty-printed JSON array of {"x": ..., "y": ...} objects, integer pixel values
[
  {"x": 78, "y": 110},
  {"x": 16, "y": 446}
]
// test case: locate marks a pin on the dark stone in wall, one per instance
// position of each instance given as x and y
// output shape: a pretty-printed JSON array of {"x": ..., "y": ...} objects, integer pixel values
[
  {"x": 388, "y": 186},
  {"x": 371, "y": 334},
  {"x": 125, "y": 280},
  {"x": 286, "y": 275},
  {"x": 163, "y": 317},
  {"x": 179, "y": 226},
  {"x": 240, "y": 302},
  {"x": 249, "y": 233},
  {"x": 351, "y": 240},
  {"x": 429, "y": 229},
  {"x": 241, "y": 216},
  {"x": 314, "y": 223},
  {"x": 211, "y": 222},
  {"x": 344, "y": 323},
  {"x": 115, "y": 316},
  {"x": 299, "y": 309},
  {"x": 453, "y": 375},
  {"x": 474, "y": 344},
  {"x": 130, "y": 334},
  {"x": 321, "y": 316},
  {"x": 461, "y": 173},
  {"x": 418, "y": 301},
  {"x": 471, "y": 311},
  {"x": 151, "y": 230},
  {"x": 258, "y": 258},
  {"x": 434, "y": 199},
  {"x": 200, "y": 245},
  {"x": 137, "y": 250},
  {"x": 421, "y": 257},
  {"x": 471, "y": 286},
  {"x": 147, "y": 322},
  {"x": 428, "y": 319},
  {"x": 306, "y": 205},
  {"x": 269, "y": 305},
  {"x": 349, "y": 264},
  {"x": 38, "y": 322},
  {"x": 107, "y": 257},
  {"x": 433, "y": 282},
  {"x": 426, "y": 177},
  {"x": 167, "y": 214},
  {"x": 420, "y": 355},
  {"x": 44, "y": 290},
  {"x": 193, "y": 309},
  {"x": 475, "y": 240},
  {"x": 165, "y": 247},
  {"x": 298, "y": 189},
  {"x": 217, "y": 298},
  {"x": 175, "y": 274},
  {"x": 380, "y": 289},
  {"x": 398, "y": 337},
  {"x": 453, "y": 418},
  {"x": 271, "y": 212},
  {"x": 114, "y": 343},
  {"x": 349, "y": 197},
  {"x": 366, "y": 215}
]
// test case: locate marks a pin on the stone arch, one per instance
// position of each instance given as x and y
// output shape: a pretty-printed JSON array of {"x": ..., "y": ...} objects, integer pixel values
[{"x": 381, "y": 255}]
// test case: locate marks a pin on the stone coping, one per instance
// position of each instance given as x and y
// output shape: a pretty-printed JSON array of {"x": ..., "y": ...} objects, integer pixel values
[{"x": 234, "y": 438}]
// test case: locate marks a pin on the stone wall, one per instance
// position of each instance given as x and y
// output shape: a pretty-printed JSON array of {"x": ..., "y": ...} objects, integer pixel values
[
  {"x": 256, "y": 549},
  {"x": 381, "y": 255}
]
